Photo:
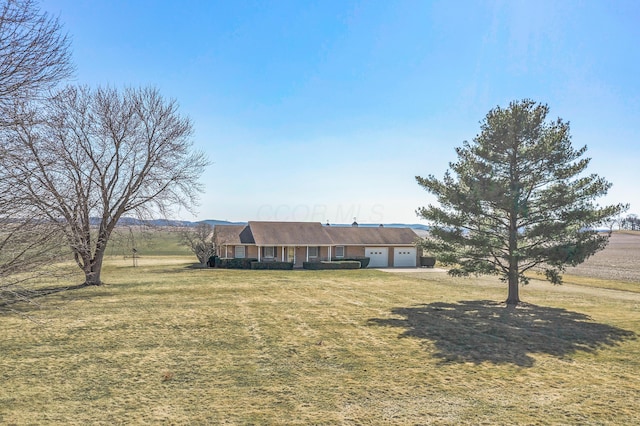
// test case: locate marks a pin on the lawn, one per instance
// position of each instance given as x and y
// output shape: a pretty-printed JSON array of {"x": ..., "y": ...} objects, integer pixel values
[{"x": 168, "y": 343}]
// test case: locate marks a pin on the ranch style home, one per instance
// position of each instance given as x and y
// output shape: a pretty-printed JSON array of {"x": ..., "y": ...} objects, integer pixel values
[{"x": 300, "y": 242}]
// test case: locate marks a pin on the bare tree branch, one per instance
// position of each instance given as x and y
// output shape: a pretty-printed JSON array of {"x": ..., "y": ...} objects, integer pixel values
[
  {"x": 90, "y": 156},
  {"x": 200, "y": 241},
  {"x": 34, "y": 55}
]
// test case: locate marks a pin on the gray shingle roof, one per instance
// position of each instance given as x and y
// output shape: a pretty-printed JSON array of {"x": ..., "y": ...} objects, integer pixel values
[
  {"x": 233, "y": 235},
  {"x": 371, "y": 236},
  {"x": 289, "y": 233},
  {"x": 311, "y": 234}
]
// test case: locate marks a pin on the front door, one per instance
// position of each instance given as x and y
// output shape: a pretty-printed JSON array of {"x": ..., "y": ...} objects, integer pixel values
[{"x": 291, "y": 255}]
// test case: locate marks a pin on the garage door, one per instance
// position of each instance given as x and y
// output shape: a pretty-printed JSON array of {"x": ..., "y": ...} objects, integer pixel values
[
  {"x": 404, "y": 257},
  {"x": 379, "y": 256}
]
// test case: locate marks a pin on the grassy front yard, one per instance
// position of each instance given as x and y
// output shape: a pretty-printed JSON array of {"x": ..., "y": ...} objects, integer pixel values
[{"x": 164, "y": 343}]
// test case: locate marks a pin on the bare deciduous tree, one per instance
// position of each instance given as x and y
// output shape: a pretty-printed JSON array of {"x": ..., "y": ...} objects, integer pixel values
[
  {"x": 34, "y": 57},
  {"x": 92, "y": 155},
  {"x": 34, "y": 54},
  {"x": 631, "y": 222},
  {"x": 27, "y": 245},
  {"x": 200, "y": 241}
]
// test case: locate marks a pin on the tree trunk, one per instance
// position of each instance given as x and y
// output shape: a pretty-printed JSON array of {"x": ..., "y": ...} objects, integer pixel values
[
  {"x": 514, "y": 297},
  {"x": 92, "y": 273}
]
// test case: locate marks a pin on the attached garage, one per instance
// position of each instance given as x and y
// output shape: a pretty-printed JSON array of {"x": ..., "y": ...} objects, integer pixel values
[
  {"x": 404, "y": 257},
  {"x": 379, "y": 256}
]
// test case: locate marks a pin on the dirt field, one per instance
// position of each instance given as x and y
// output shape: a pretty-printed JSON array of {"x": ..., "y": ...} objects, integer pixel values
[{"x": 620, "y": 260}]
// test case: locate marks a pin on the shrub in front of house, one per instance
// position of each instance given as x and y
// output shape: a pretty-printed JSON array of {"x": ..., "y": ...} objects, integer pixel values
[
  {"x": 225, "y": 263},
  {"x": 427, "y": 261},
  {"x": 342, "y": 264},
  {"x": 364, "y": 261},
  {"x": 272, "y": 265}
]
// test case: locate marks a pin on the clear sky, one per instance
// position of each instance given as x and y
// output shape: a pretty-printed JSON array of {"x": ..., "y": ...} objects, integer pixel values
[{"x": 327, "y": 110}]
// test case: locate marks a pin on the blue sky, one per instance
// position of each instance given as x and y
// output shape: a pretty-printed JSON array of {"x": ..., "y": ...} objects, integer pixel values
[{"x": 327, "y": 110}]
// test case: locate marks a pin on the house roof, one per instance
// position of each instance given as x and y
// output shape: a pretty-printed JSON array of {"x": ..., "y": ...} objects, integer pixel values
[
  {"x": 233, "y": 234},
  {"x": 311, "y": 234},
  {"x": 289, "y": 233},
  {"x": 371, "y": 236}
]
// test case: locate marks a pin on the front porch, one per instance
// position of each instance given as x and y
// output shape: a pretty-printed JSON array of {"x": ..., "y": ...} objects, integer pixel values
[{"x": 294, "y": 254}]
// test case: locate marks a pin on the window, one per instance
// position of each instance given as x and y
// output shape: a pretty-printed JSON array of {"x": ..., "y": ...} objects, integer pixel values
[
  {"x": 313, "y": 251},
  {"x": 269, "y": 252},
  {"x": 339, "y": 251},
  {"x": 239, "y": 252}
]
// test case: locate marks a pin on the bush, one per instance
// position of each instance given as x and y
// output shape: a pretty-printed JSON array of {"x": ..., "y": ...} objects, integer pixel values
[
  {"x": 342, "y": 264},
  {"x": 364, "y": 261},
  {"x": 234, "y": 263},
  {"x": 272, "y": 265},
  {"x": 427, "y": 261}
]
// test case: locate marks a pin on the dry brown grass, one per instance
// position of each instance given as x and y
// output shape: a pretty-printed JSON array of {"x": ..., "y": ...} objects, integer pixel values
[{"x": 164, "y": 343}]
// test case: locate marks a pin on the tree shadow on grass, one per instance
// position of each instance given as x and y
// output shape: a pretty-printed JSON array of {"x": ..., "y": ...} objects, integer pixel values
[
  {"x": 479, "y": 330},
  {"x": 24, "y": 300}
]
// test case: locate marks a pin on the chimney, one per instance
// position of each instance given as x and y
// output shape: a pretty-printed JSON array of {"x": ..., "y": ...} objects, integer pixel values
[{"x": 354, "y": 224}]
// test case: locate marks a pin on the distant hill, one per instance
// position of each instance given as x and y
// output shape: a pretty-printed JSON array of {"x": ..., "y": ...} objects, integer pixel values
[
  {"x": 128, "y": 221},
  {"x": 366, "y": 225},
  {"x": 400, "y": 225},
  {"x": 222, "y": 222}
]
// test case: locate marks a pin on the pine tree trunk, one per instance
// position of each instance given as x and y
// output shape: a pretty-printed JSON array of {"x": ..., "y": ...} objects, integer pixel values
[{"x": 514, "y": 297}]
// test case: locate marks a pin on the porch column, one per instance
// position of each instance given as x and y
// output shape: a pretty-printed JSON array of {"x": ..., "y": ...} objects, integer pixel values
[
  {"x": 329, "y": 254},
  {"x": 226, "y": 251},
  {"x": 258, "y": 253},
  {"x": 307, "y": 253},
  {"x": 283, "y": 253}
]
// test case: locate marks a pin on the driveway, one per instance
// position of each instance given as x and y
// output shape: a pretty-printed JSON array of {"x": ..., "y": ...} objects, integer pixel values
[{"x": 411, "y": 270}]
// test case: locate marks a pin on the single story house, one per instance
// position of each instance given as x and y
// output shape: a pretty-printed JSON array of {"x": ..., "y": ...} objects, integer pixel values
[{"x": 300, "y": 242}]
